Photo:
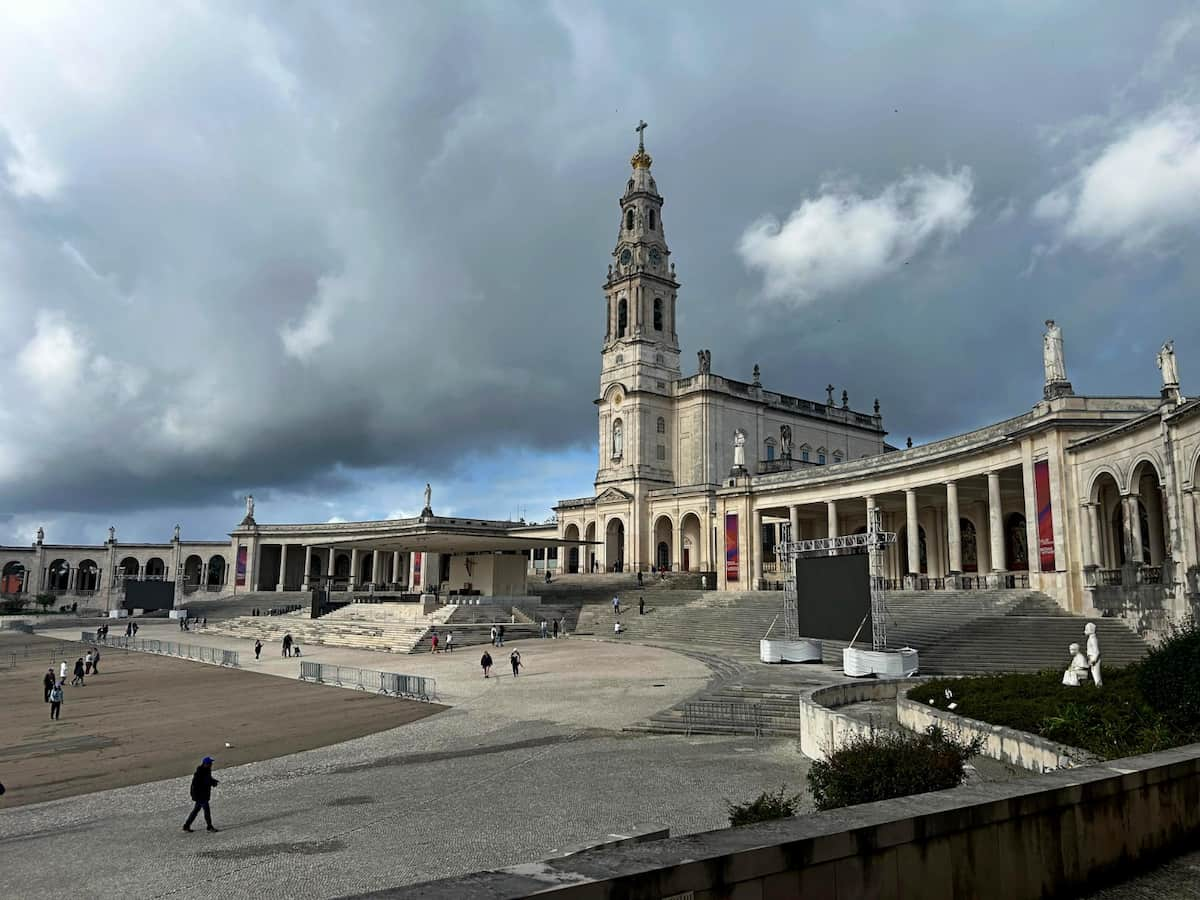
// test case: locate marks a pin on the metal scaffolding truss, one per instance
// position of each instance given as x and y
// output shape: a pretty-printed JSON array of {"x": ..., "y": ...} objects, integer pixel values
[{"x": 873, "y": 542}]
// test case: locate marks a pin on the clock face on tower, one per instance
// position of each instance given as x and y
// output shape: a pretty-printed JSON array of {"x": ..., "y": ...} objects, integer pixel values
[
  {"x": 655, "y": 257},
  {"x": 626, "y": 257}
]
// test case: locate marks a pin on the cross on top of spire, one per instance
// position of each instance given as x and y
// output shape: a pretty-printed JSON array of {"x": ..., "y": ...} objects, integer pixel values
[{"x": 641, "y": 159}]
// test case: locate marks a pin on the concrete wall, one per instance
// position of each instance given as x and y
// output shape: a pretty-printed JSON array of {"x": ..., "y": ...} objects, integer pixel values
[
  {"x": 1009, "y": 745},
  {"x": 492, "y": 574},
  {"x": 824, "y": 730},
  {"x": 1059, "y": 834}
]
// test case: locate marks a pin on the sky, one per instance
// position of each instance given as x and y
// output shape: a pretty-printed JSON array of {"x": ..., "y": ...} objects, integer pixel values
[{"x": 325, "y": 253}]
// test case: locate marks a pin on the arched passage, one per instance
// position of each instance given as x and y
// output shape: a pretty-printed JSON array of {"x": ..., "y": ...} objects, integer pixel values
[
  {"x": 12, "y": 578},
  {"x": 192, "y": 568},
  {"x": 1152, "y": 508},
  {"x": 1108, "y": 521},
  {"x": 88, "y": 577},
  {"x": 365, "y": 567},
  {"x": 589, "y": 535},
  {"x": 341, "y": 566},
  {"x": 614, "y": 545},
  {"x": 969, "y": 544},
  {"x": 571, "y": 536},
  {"x": 156, "y": 569},
  {"x": 691, "y": 546},
  {"x": 216, "y": 571},
  {"x": 58, "y": 575},
  {"x": 662, "y": 543},
  {"x": 130, "y": 568},
  {"x": 902, "y": 540},
  {"x": 1016, "y": 543}
]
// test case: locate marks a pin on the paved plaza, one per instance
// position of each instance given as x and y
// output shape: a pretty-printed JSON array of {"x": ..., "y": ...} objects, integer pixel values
[{"x": 514, "y": 771}]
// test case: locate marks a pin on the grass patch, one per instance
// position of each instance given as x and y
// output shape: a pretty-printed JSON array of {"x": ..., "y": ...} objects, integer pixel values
[{"x": 1112, "y": 721}]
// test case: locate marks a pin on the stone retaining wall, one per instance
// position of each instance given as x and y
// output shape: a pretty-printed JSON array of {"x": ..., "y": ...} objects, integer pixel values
[
  {"x": 823, "y": 729},
  {"x": 1063, "y": 833}
]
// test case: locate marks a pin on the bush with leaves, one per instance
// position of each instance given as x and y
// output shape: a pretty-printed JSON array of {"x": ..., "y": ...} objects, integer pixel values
[
  {"x": 12, "y": 605},
  {"x": 890, "y": 764},
  {"x": 1169, "y": 677},
  {"x": 764, "y": 808},
  {"x": 45, "y": 601}
]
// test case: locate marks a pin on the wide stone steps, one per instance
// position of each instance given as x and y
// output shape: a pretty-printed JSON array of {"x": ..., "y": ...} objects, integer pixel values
[
  {"x": 361, "y": 626},
  {"x": 474, "y": 635},
  {"x": 730, "y": 709}
]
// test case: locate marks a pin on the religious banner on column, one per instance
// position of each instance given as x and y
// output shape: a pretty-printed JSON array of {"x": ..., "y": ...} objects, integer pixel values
[
  {"x": 416, "y": 568},
  {"x": 1045, "y": 523},
  {"x": 240, "y": 570},
  {"x": 731, "y": 547}
]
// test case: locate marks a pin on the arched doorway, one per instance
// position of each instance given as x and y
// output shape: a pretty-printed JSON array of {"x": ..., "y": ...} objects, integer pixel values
[
  {"x": 571, "y": 537},
  {"x": 58, "y": 575},
  {"x": 192, "y": 568},
  {"x": 969, "y": 544},
  {"x": 1152, "y": 513},
  {"x": 366, "y": 568},
  {"x": 1106, "y": 494},
  {"x": 87, "y": 579},
  {"x": 156, "y": 569},
  {"x": 216, "y": 572},
  {"x": 1016, "y": 543},
  {"x": 341, "y": 566},
  {"x": 902, "y": 540},
  {"x": 662, "y": 543},
  {"x": 691, "y": 546},
  {"x": 12, "y": 578},
  {"x": 614, "y": 546},
  {"x": 589, "y": 535},
  {"x": 130, "y": 568}
]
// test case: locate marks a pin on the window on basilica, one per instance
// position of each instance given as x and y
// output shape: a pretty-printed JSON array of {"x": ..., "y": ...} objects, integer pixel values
[
  {"x": 628, "y": 220},
  {"x": 662, "y": 425},
  {"x": 651, "y": 220},
  {"x": 661, "y": 452},
  {"x": 622, "y": 317},
  {"x": 658, "y": 314}
]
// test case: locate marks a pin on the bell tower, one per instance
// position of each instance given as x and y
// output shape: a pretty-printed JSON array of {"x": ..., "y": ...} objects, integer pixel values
[{"x": 640, "y": 355}]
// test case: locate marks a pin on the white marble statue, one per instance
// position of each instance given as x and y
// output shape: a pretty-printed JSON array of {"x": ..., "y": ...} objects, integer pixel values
[
  {"x": 739, "y": 448},
  {"x": 175, "y": 536},
  {"x": 1052, "y": 353},
  {"x": 785, "y": 441},
  {"x": 249, "y": 506},
  {"x": 618, "y": 440},
  {"x": 1166, "y": 362},
  {"x": 1077, "y": 670},
  {"x": 1093, "y": 652},
  {"x": 41, "y": 534}
]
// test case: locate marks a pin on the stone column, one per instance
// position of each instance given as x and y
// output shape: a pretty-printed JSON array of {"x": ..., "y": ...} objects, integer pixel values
[
  {"x": 1133, "y": 529},
  {"x": 756, "y": 549},
  {"x": 282, "y": 566},
  {"x": 1092, "y": 514},
  {"x": 831, "y": 518},
  {"x": 1033, "y": 536},
  {"x": 329, "y": 564},
  {"x": 375, "y": 566},
  {"x": 562, "y": 558},
  {"x": 395, "y": 573},
  {"x": 677, "y": 547},
  {"x": 953, "y": 532},
  {"x": 794, "y": 521},
  {"x": 353, "y": 567},
  {"x": 307, "y": 566},
  {"x": 995, "y": 522},
  {"x": 912, "y": 527}
]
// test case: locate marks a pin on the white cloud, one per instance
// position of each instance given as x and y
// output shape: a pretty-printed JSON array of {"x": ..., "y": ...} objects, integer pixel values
[
  {"x": 55, "y": 357},
  {"x": 1135, "y": 190},
  {"x": 841, "y": 240}
]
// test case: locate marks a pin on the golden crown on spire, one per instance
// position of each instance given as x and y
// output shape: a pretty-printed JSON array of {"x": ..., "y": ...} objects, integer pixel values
[{"x": 641, "y": 159}]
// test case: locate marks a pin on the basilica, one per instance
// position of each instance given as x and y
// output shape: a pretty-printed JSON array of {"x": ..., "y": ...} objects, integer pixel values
[{"x": 1091, "y": 500}]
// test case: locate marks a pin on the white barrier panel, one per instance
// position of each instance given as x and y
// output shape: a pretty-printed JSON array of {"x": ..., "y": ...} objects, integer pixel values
[
  {"x": 884, "y": 663},
  {"x": 780, "y": 651}
]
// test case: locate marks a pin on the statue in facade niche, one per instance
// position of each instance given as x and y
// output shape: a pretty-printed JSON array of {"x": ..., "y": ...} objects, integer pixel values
[
  {"x": 618, "y": 440},
  {"x": 1052, "y": 354},
  {"x": 739, "y": 449},
  {"x": 1077, "y": 670},
  {"x": 1166, "y": 363},
  {"x": 1093, "y": 652},
  {"x": 785, "y": 441}
]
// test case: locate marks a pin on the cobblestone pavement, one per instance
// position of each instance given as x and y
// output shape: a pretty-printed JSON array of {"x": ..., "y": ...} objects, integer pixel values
[
  {"x": 1177, "y": 879},
  {"x": 515, "y": 771}
]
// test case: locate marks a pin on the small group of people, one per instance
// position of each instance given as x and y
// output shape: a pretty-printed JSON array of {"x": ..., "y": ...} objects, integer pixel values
[
  {"x": 498, "y": 635},
  {"x": 102, "y": 633},
  {"x": 53, "y": 690},
  {"x": 555, "y": 625},
  {"x": 437, "y": 644},
  {"x": 290, "y": 646},
  {"x": 514, "y": 660},
  {"x": 131, "y": 629}
]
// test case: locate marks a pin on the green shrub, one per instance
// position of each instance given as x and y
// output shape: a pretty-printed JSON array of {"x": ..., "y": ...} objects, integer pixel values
[
  {"x": 45, "y": 601},
  {"x": 890, "y": 764},
  {"x": 1169, "y": 677},
  {"x": 765, "y": 808},
  {"x": 12, "y": 605},
  {"x": 1113, "y": 721}
]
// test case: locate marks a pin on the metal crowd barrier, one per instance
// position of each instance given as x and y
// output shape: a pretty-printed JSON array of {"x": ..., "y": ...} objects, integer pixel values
[
  {"x": 212, "y": 655},
  {"x": 413, "y": 687},
  {"x": 718, "y": 717}
]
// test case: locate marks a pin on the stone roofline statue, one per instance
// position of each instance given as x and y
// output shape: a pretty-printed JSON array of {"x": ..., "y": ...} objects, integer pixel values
[
  {"x": 1054, "y": 363},
  {"x": 1167, "y": 365}
]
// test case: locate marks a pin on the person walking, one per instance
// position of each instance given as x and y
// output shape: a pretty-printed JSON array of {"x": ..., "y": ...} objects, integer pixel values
[
  {"x": 78, "y": 679},
  {"x": 556, "y": 629},
  {"x": 135, "y": 629},
  {"x": 641, "y": 606},
  {"x": 201, "y": 792},
  {"x": 562, "y": 626},
  {"x": 287, "y": 644},
  {"x": 433, "y": 641},
  {"x": 499, "y": 635},
  {"x": 493, "y": 635},
  {"x": 62, "y": 671},
  {"x": 257, "y": 649},
  {"x": 48, "y": 683},
  {"x": 485, "y": 662},
  {"x": 95, "y": 660},
  {"x": 56, "y": 701},
  {"x": 616, "y": 605},
  {"x": 87, "y": 663},
  {"x": 449, "y": 641},
  {"x": 542, "y": 627},
  {"x": 515, "y": 659}
]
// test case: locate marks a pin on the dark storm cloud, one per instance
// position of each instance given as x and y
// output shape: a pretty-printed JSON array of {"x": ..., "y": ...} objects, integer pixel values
[{"x": 315, "y": 240}]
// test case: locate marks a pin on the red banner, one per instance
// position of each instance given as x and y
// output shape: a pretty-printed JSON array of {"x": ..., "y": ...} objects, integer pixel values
[
  {"x": 416, "y": 579},
  {"x": 240, "y": 570},
  {"x": 731, "y": 547},
  {"x": 1041, "y": 490}
]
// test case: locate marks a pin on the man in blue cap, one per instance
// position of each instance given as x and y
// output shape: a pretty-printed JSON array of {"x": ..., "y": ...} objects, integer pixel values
[{"x": 202, "y": 785}]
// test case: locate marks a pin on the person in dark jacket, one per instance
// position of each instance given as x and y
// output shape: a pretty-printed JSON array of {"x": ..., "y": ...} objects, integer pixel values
[
  {"x": 202, "y": 785},
  {"x": 78, "y": 673},
  {"x": 48, "y": 681}
]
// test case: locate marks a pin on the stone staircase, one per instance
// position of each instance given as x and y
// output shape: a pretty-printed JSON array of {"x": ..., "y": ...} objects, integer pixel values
[
  {"x": 387, "y": 627},
  {"x": 761, "y": 710}
]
